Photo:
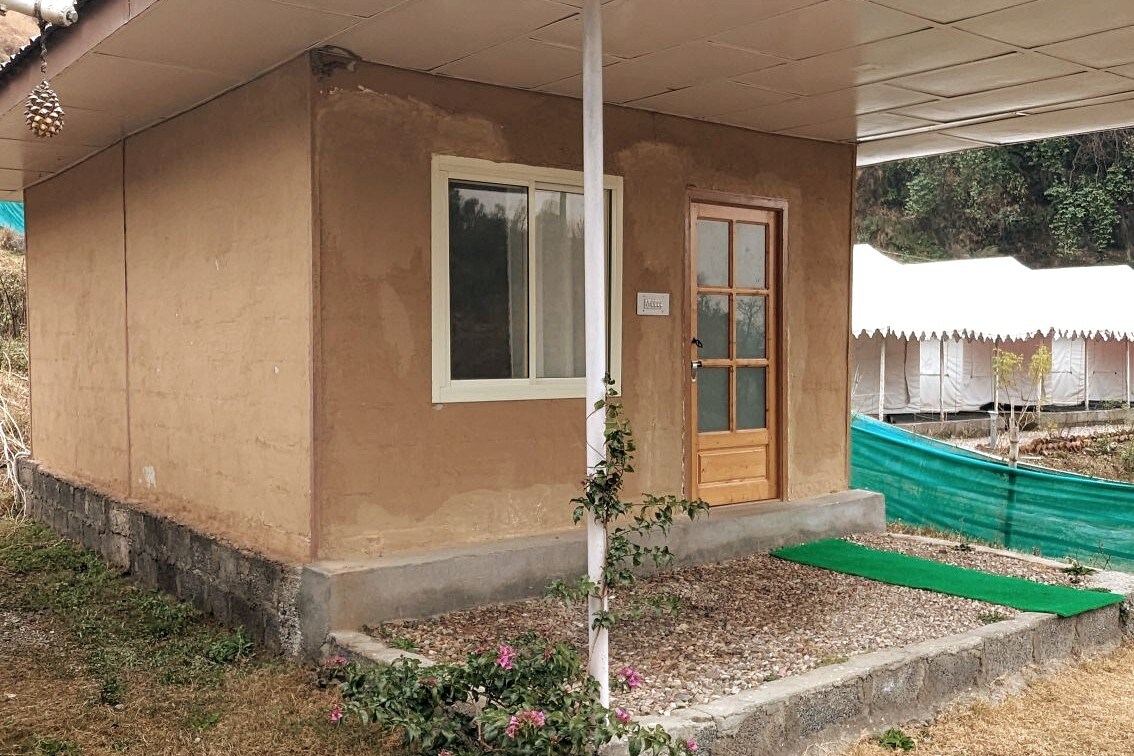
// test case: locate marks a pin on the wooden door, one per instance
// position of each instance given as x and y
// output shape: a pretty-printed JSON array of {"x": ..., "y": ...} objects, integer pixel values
[{"x": 733, "y": 375}]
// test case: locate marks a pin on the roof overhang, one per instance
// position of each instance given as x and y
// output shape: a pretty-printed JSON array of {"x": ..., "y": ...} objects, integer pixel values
[{"x": 900, "y": 78}]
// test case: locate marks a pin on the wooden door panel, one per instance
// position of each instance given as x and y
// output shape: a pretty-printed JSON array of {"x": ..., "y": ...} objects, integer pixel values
[{"x": 733, "y": 315}]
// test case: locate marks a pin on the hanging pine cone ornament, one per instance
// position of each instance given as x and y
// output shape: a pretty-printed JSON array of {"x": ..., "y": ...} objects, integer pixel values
[{"x": 44, "y": 114}]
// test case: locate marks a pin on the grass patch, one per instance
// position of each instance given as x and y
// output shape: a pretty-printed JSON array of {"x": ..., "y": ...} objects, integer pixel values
[{"x": 94, "y": 664}]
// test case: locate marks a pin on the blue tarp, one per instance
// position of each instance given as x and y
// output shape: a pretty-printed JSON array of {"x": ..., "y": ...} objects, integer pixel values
[
  {"x": 12, "y": 216},
  {"x": 928, "y": 483}
]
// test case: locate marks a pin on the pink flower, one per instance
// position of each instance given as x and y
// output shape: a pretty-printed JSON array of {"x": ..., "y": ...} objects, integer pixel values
[
  {"x": 336, "y": 713},
  {"x": 505, "y": 656},
  {"x": 513, "y": 726},
  {"x": 691, "y": 746},
  {"x": 444, "y": 752},
  {"x": 622, "y": 715},
  {"x": 631, "y": 676},
  {"x": 337, "y": 660},
  {"x": 535, "y": 716}
]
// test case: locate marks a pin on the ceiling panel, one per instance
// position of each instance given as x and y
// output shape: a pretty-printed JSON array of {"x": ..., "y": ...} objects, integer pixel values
[
  {"x": 15, "y": 181},
  {"x": 636, "y": 27},
  {"x": 850, "y": 129},
  {"x": 1004, "y": 71},
  {"x": 135, "y": 91},
  {"x": 824, "y": 108},
  {"x": 711, "y": 99},
  {"x": 244, "y": 38},
  {"x": 947, "y": 11},
  {"x": 520, "y": 62},
  {"x": 1110, "y": 48},
  {"x": 876, "y": 61},
  {"x": 913, "y": 145},
  {"x": 825, "y": 27},
  {"x": 1046, "y": 21},
  {"x": 1022, "y": 97},
  {"x": 21, "y": 155},
  {"x": 1056, "y": 123},
  {"x": 1127, "y": 71},
  {"x": 425, "y": 34},
  {"x": 360, "y": 8},
  {"x": 80, "y": 127}
]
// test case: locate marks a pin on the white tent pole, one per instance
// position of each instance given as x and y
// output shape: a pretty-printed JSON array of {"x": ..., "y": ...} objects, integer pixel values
[
  {"x": 882, "y": 380},
  {"x": 594, "y": 256},
  {"x": 1127, "y": 372},
  {"x": 1086, "y": 375},
  {"x": 941, "y": 379}
]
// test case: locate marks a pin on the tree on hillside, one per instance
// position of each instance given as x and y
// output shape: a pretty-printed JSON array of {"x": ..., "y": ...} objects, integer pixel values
[{"x": 1063, "y": 201}]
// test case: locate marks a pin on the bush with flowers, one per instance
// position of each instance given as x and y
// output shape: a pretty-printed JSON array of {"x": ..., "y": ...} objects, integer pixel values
[
  {"x": 532, "y": 697},
  {"x": 526, "y": 698}
]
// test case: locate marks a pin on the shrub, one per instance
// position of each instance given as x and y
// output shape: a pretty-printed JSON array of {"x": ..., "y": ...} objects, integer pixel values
[
  {"x": 1126, "y": 456},
  {"x": 529, "y": 697}
]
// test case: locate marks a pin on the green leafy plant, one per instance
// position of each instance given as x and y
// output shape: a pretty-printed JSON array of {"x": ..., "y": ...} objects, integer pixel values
[
  {"x": 991, "y": 618},
  {"x": 633, "y": 531},
  {"x": 1077, "y": 568},
  {"x": 54, "y": 747},
  {"x": 402, "y": 644},
  {"x": 230, "y": 648},
  {"x": 895, "y": 740},
  {"x": 530, "y": 697}
]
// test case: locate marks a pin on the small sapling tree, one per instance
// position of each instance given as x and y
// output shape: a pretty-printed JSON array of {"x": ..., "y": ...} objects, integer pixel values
[{"x": 1024, "y": 389}]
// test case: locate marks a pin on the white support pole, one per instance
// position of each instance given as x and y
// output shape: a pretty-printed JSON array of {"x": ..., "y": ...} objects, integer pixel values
[
  {"x": 941, "y": 379},
  {"x": 1086, "y": 375},
  {"x": 594, "y": 256},
  {"x": 54, "y": 12},
  {"x": 1127, "y": 372},
  {"x": 882, "y": 380}
]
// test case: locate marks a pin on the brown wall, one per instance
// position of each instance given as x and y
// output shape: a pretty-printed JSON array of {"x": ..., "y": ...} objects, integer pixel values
[
  {"x": 77, "y": 317},
  {"x": 395, "y": 472},
  {"x": 214, "y": 335}
]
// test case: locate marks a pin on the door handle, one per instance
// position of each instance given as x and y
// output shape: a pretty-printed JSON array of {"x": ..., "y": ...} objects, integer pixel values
[{"x": 694, "y": 366}]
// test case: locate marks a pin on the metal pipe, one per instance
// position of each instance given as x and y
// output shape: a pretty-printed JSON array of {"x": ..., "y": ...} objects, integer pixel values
[
  {"x": 54, "y": 12},
  {"x": 594, "y": 256}
]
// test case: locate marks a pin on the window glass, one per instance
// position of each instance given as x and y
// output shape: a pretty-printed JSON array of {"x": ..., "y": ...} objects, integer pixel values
[
  {"x": 488, "y": 289},
  {"x": 559, "y": 277}
]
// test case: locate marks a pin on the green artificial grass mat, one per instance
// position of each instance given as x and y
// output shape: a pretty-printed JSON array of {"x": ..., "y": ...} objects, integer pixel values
[{"x": 899, "y": 569}]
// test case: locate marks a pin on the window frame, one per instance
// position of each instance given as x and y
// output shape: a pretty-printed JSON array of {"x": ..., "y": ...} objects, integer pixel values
[{"x": 446, "y": 168}]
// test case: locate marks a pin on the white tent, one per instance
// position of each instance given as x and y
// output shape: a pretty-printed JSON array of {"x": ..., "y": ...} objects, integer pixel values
[{"x": 941, "y": 321}]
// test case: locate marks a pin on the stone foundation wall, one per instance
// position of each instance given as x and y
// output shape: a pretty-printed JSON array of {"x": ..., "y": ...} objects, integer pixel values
[{"x": 238, "y": 587}]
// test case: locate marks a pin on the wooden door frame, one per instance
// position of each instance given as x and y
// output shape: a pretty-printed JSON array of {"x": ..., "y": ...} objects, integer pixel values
[{"x": 780, "y": 208}]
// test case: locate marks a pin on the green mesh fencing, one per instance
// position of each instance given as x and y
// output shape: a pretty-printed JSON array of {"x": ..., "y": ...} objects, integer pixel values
[{"x": 929, "y": 483}]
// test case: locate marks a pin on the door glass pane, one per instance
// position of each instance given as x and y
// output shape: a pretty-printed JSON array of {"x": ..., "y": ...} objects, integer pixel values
[
  {"x": 712, "y": 253},
  {"x": 751, "y": 398},
  {"x": 561, "y": 351},
  {"x": 488, "y": 281},
  {"x": 751, "y": 318},
  {"x": 712, "y": 399},
  {"x": 712, "y": 325},
  {"x": 751, "y": 256}
]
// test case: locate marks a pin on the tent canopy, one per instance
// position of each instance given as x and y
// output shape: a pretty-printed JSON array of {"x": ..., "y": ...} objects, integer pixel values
[{"x": 988, "y": 298}]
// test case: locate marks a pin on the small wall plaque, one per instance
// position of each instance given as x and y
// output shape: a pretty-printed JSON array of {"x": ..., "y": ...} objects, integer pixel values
[{"x": 653, "y": 304}]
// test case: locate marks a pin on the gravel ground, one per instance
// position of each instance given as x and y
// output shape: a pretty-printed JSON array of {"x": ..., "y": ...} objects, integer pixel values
[{"x": 742, "y": 622}]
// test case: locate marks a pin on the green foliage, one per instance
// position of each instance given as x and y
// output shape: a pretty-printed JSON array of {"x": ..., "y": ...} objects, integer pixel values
[
  {"x": 633, "y": 531},
  {"x": 1054, "y": 202},
  {"x": 530, "y": 697},
  {"x": 896, "y": 740},
  {"x": 53, "y": 747},
  {"x": 230, "y": 649},
  {"x": 1126, "y": 456},
  {"x": 403, "y": 644},
  {"x": 991, "y": 618},
  {"x": 1077, "y": 568}
]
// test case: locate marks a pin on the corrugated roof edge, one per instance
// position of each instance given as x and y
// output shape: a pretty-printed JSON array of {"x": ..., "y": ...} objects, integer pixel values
[{"x": 17, "y": 62}]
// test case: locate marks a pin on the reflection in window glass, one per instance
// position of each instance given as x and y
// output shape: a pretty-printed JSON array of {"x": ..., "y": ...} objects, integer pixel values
[
  {"x": 559, "y": 275},
  {"x": 751, "y": 398},
  {"x": 488, "y": 297},
  {"x": 751, "y": 256},
  {"x": 750, "y": 328},
  {"x": 712, "y": 325},
  {"x": 712, "y": 399},
  {"x": 712, "y": 253}
]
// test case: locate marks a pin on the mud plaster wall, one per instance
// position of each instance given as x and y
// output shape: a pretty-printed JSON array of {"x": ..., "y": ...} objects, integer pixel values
[
  {"x": 76, "y": 319},
  {"x": 218, "y": 210},
  {"x": 398, "y": 473}
]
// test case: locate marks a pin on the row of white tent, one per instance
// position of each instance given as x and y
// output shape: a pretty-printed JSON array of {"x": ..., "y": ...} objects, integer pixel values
[{"x": 941, "y": 321}]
